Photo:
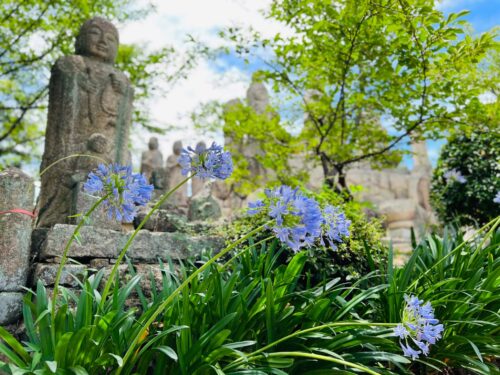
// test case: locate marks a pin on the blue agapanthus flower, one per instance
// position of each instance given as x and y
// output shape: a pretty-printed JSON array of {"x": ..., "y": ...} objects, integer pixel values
[
  {"x": 335, "y": 226},
  {"x": 204, "y": 162},
  {"x": 297, "y": 218},
  {"x": 497, "y": 198},
  {"x": 125, "y": 190},
  {"x": 454, "y": 175},
  {"x": 418, "y": 328}
]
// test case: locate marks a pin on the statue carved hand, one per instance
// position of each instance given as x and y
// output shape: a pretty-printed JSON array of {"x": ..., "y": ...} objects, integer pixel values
[
  {"x": 118, "y": 84},
  {"x": 87, "y": 84}
]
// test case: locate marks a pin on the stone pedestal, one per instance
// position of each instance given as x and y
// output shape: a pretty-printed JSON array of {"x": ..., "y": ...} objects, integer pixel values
[{"x": 16, "y": 192}]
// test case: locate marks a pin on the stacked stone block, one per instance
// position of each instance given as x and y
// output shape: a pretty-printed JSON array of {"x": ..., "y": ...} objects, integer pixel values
[{"x": 16, "y": 193}]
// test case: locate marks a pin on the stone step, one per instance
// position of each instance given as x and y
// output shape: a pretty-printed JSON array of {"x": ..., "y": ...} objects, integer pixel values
[
  {"x": 46, "y": 273},
  {"x": 147, "y": 246}
]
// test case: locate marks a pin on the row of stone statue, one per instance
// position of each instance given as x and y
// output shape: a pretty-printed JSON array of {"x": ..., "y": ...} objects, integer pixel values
[{"x": 166, "y": 177}]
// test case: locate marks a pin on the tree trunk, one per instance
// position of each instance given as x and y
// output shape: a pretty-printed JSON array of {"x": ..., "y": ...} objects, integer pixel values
[{"x": 335, "y": 177}]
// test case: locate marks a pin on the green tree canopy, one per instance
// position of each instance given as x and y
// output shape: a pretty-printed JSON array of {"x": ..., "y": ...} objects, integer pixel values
[{"x": 353, "y": 65}]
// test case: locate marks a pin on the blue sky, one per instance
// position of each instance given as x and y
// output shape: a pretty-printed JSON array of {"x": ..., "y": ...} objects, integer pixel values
[{"x": 484, "y": 15}]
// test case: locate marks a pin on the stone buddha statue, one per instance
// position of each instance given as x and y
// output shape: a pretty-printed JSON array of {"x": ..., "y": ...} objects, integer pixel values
[
  {"x": 152, "y": 163},
  {"x": 197, "y": 184},
  {"x": 257, "y": 96},
  {"x": 174, "y": 177},
  {"x": 90, "y": 108}
]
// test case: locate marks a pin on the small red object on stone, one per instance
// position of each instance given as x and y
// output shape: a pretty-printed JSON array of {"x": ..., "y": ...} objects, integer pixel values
[{"x": 19, "y": 211}]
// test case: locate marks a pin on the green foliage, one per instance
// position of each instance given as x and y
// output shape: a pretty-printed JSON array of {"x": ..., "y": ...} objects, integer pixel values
[
  {"x": 260, "y": 144},
  {"x": 235, "y": 311},
  {"x": 252, "y": 316},
  {"x": 357, "y": 256},
  {"x": 34, "y": 34},
  {"x": 83, "y": 340},
  {"x": 477, "y": 158},
  {"x": 352, "y": 65}
]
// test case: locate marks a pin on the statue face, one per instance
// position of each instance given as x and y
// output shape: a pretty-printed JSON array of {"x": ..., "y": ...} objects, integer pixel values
[
  {"x": 153, "y": 143},
  {"x": 201, "y": 146},
  {"x": 98, "y": 38},
  {"x": 177, "y": 147}
]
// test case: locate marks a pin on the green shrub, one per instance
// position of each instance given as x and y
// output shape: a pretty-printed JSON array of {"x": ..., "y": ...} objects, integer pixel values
[
  {"x": 477, "y": 159},
  {"x": 83, "y": 340}
]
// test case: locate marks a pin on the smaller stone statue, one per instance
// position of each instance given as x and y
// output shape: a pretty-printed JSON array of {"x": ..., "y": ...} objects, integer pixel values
[
  {"x": 152, "y": 164},
  {"x": 421, "y": 162},
  {"x": 229, "y": 201},
  {"x": 174, "y": 177},
  {"x": 257, "y": 96}
]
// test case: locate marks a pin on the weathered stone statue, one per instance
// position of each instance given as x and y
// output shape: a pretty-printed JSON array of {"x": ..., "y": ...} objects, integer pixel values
[
  {"x": 257, "y": 96},
  {"x": 421, "y": 163},
  {"x": 152, "y": 164},
  {"x": 174, "y": 177},
  {"x": 258, "y": 100},
  {"x": 90, "y": 107},
  {"x": 421, "y": 172},
  {"x": 229, "y": 201},
  {"x": 197, "y": 184}
]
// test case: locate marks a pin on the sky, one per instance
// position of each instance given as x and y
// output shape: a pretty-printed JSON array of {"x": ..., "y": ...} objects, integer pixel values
[{"x": 227, "y": 78}]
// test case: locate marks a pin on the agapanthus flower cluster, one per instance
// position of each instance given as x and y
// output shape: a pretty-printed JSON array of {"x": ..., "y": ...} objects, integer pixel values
[
  {"x": 125, "y": 190},
  {"x": 298, "y": 220},
  {"x": 497, "y": 198},
  {"x": 335, "y": 226},
  {"x": 211, "y": 162},
  {"x": 454, "y": 175},
  {"x": 418, "y": 328}
]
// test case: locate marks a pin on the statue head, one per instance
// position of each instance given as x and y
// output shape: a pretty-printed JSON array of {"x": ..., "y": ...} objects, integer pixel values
[
  {"x": 98, "y": 38},
  {"x": 257, "y": 95},
  {"x": 201, "y": 146},
  {"x": 177, "y": 148},
  {"x": 153, "y": 143}
]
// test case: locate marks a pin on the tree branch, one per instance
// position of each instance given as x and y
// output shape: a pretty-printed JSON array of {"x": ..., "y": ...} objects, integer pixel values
[
  {"x": 316, "y": 122},
  {"x": 423, "y": 99},
  {"x": 27, "y": 29},
  {"x": 14, "y": 10},
  {"x": 12, "y": 150},
  {"x": 343, "y": 82},
  {"x": 16, "y": 123}
]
